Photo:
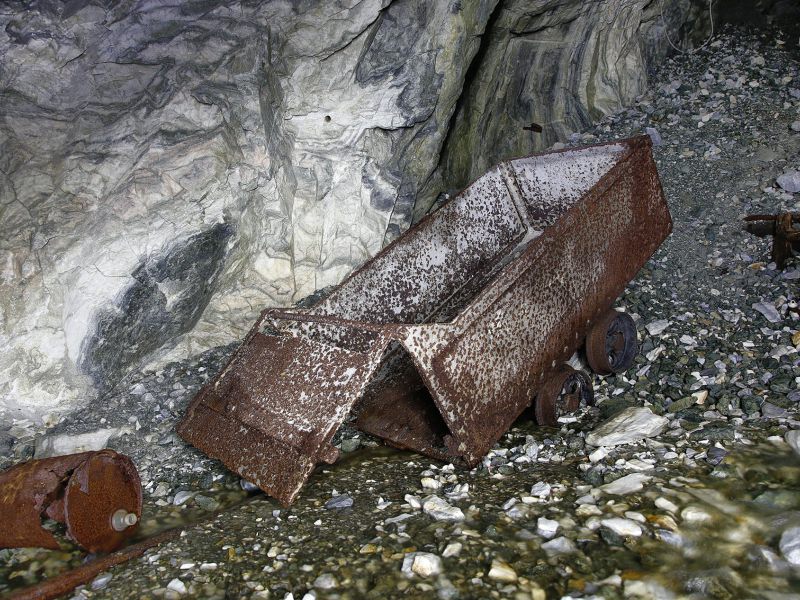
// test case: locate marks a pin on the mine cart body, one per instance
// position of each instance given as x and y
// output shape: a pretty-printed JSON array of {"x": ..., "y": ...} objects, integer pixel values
[{"x": 439, "y": 342}]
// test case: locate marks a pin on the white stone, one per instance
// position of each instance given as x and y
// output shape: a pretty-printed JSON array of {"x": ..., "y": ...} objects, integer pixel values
[
  {"x": 326, "y": 581},
  {"x": 452, "y": 549},
  {"x": 790, "y": 181},
  {"x": 598, "y": 454},
  {"x": 665, "y": 504},
  {"x": 624, "y": 527},
  {"x": 627, "y": 484},
  {"x": 182, "y": 496},
  {"x": 429, "y": 483},
  {"x": 502, "y": 571},
  {"x": 631, "y": 425},
  {"x": 546, "y": 527},
  {"x": 540, "y": 489},
  {"x": 769, "y": 311},
  {"x": 413, "y": 501},
  {"x": 560, "y": 545},
  {"x": 63, "y": 443},
  {"x": 441, "y": 510},
  {"x": 423, "y": 564},
  {"x": 790, "y": 545},
  {"x": 695, "y": 514},
  {"x": 793, "y": 439},
  {"x": 176, "y": 585},
  {"x": 657, "y": 327}
]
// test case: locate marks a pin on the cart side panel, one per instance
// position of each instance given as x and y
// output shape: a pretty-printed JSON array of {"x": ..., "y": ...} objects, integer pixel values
[
  {"x": 551, "y": 183},
  {"x": 271, "y": 415},
  {"x": 568, "y": 277},
  {"x": 410, "y": 279}
]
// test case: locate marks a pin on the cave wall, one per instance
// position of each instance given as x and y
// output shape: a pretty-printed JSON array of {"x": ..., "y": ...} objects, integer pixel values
[{"x": 168, "y": 169}]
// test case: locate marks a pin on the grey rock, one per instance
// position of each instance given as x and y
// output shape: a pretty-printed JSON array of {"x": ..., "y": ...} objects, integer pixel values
[
  {"x": 770, "y": 411},
  {"x": 423, "y": 564},
  {"x": 657, "y": 327},
  {"x": 342, "y": 501},
  {"x": 793, "y": 439},
  {"x": 654, "y": 135},
  {"x": 326, "y": 581},
  {"x": 441, "y": 510},
  {"x": 627, "y": 484},
  {"x": 631, "y": 425},
  {"x": 790, "y": 545},
  {"x": 560, "y": 545},
  {"x": 790, "y": 181},
  {"x": 769, "y": 311},
  {"x": 64, "y": 443}
]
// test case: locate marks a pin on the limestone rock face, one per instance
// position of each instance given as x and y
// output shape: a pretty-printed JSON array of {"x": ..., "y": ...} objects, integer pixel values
[{"x": 167, "y": 170}]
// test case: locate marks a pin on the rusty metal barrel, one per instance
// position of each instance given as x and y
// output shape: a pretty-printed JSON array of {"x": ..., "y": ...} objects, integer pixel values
[{"x": 96, "y": 495}]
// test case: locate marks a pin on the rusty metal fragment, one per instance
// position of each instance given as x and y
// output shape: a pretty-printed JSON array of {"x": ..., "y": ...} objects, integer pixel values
[
  {"x": 784, "y": 229},
  {"x": 439, "y": 342},
  {"x": 97, "y": 495}
]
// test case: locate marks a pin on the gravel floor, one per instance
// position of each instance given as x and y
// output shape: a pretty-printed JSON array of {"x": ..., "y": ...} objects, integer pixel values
[{"x": 707, "y": 508}]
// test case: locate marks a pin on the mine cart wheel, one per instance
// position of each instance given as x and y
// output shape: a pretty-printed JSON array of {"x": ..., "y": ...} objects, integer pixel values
[
  {"x": 564, "y": 393},
  {"x": 611, "y": 344}
]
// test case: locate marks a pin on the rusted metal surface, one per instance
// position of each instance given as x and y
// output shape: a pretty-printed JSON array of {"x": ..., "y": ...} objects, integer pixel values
[
  {"x": 563, "y": 393},
  {"x": 784, "y": 229},
  {"x": 440, "y": 341},
  {"x": 611, "y": 344},
  {"x": 97, "y": 495}
]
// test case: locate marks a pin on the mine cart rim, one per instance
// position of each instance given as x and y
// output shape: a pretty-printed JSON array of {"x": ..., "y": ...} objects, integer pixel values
[
  {"x": 611, "y": 345},
  {"x": 563, "y": 393},
  {"x": 100, "y": 487}
]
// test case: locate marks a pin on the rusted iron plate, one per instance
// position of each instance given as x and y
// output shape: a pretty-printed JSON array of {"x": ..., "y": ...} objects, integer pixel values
[
  {"x": 97, "y": 495},
  {"x": 441, "y": 340},
  {"x": 785, "y": 231}
]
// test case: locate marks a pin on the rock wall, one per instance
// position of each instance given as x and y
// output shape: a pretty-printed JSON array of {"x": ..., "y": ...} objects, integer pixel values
[{"x": 167, "y": 169}]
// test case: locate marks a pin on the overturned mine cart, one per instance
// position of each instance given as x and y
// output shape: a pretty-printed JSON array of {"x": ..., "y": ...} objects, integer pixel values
[{"x": 446, "y": 336}]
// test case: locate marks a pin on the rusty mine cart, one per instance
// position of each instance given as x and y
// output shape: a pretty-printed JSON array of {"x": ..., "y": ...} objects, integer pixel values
[{"x": 441, "y": 341}]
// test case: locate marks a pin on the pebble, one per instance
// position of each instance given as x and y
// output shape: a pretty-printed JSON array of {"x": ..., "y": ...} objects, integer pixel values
[
  {"x": 790, "y": 181},
  {"x": 429, "y": 483},
  {"x": 560, "y": 545},
  {"x": 793, "y": 439},
  {"x": 655, "y": 137},
  {"x": 502, "y": 571},
  {"x": 623, "y": 527},
  {"x": 343, "y": 501},
  {"x": 176, "y": 585},
  {"x": 770, "y": 411},
  {"x": 182, "y": 496},
  {"x": 790, "y": 545},
  {"x": 326, "y": 581},
  {"x": 695, "y": 514},
  {"x": 626, "y": 484},
  {"x": 441, "y": 510},
  {"x": 452, "y": 549},
  {"x": 657, "y": 327},
  {"x": 423, "y": 564},
  {"x": 546, "y": 527},
  {"x": 631, "y": 425},
  {"x": 101, "y": 581},
  {"x": 769, "y": 311},
  {"x": 541, "y": 489}
]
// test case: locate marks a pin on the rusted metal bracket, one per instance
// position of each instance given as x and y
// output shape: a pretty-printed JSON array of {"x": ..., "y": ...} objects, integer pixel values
[
  {"x": 784, "y": 229},
  {"x": 97, "y": 495},
  {"x": 439, "y": 342}
]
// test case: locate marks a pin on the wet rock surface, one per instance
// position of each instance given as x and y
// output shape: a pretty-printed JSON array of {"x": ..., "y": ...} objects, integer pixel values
[{"x": 706, "y": 507}]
